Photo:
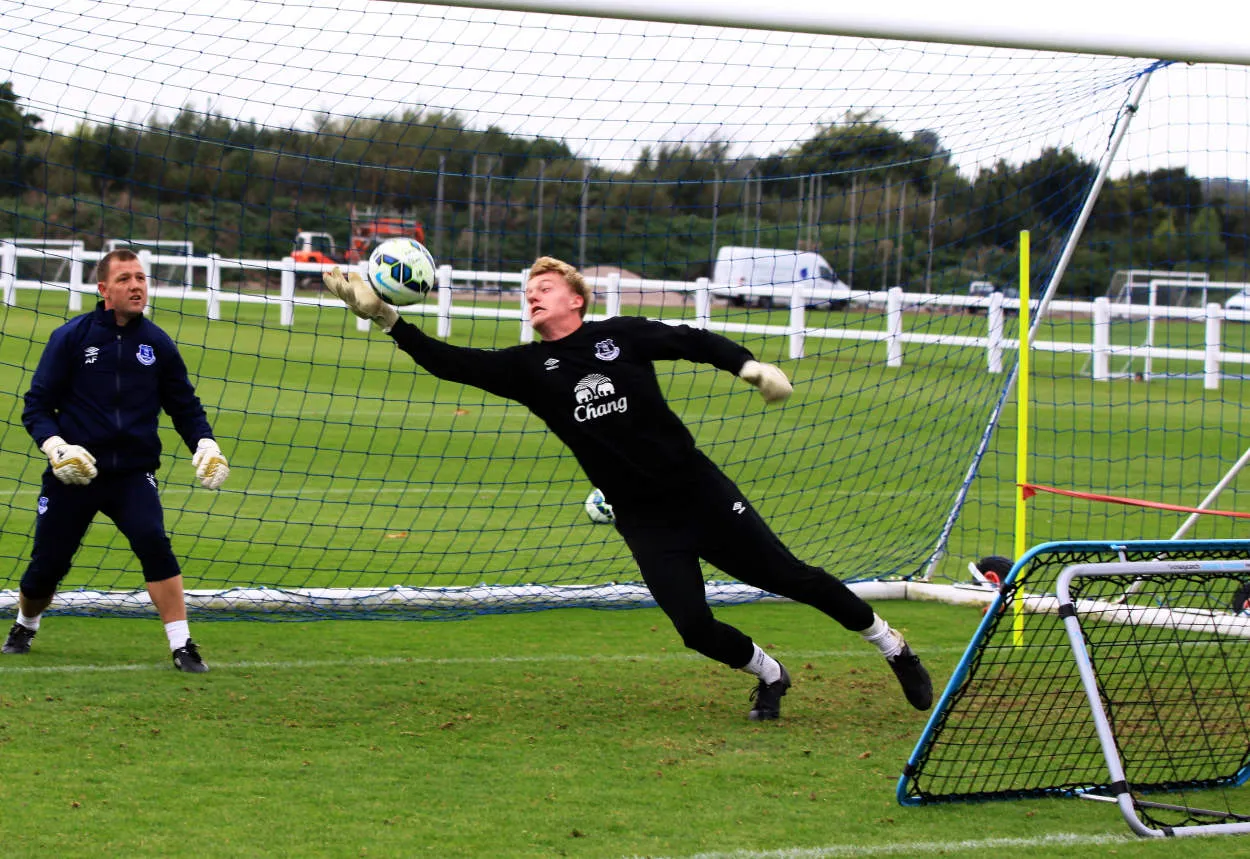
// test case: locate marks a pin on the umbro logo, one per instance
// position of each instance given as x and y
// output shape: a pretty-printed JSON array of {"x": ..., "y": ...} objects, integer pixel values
[
  {"x": 551, "y": 363},
  {"x": 739, "y": 507},
  {"x": 90, "y": 354}
]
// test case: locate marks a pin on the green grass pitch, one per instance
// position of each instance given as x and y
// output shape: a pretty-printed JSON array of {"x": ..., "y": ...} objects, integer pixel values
[{"x": 573, "y": 733}]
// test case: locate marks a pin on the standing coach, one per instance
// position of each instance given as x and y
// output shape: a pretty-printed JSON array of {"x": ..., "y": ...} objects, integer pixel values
[{"x": 92, "y": 408}]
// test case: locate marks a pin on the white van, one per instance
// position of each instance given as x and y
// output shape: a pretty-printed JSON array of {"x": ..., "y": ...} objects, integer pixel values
[
  {"x": 768, "y": 276},
  {"x": 1237, "y": 308}
]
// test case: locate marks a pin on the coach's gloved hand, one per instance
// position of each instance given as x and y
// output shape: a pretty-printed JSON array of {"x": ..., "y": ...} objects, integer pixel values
[
  {"x": 210, "y": 466},
  {"x": 773, "y": 384},
  {"x": 362, "y": 300},
  {"x": 70, "y": 463}
]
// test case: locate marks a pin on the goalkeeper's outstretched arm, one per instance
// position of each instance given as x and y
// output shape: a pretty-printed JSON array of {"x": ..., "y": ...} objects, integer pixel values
[
  {"x": 673, "y": 342},
  {"x": 490, "y": 370}
]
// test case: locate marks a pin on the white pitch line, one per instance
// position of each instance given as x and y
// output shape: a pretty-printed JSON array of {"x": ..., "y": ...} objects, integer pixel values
[
  {"x": 7, "y": 665},
  {"x": 915, "y": 848}
]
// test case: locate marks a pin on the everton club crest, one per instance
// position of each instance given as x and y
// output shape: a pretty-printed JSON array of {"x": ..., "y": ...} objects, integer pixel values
[
  {"x": 606, "y": 350},
  {"x": 145, "y": 355}
]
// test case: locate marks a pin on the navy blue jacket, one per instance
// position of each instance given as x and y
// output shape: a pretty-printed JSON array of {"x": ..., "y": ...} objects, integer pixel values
[{"x": 102, "y": 386}]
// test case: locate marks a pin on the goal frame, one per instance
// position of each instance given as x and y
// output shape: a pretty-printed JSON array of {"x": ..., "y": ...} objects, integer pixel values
[{"x": 1107, "y": 35}]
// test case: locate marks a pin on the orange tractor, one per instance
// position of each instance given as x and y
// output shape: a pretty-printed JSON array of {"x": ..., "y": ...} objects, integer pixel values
[{"x": 369, "y": 228}]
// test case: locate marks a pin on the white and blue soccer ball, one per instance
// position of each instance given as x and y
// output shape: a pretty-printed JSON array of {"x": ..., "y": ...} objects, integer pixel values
[
  {"x": 401, "y": 271},
  {"x": 598, "y": 508}
]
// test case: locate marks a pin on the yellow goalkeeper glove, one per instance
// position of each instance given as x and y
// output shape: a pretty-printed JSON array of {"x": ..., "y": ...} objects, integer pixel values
[
  {"x": 362, "y": 300},
  {"x": 70, "y": 462},
  {"x": 772, "y": 382},
  {"x": 211, "y": 468}
]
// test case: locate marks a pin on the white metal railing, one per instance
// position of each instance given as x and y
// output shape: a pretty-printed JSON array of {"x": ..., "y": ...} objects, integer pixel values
[{"x": 1212, "y": 357}]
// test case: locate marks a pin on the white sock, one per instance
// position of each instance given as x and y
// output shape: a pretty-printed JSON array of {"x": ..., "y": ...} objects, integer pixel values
[
  {"x": 177, "y": 632},
  {"x": 888, "y": 641},
  {"x": 31, "y": 623},
  {"x": 763, "y": 666}
]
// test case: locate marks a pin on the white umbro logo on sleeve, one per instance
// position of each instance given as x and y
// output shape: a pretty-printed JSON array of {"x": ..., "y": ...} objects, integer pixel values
[{"x": 739, "y": 507}]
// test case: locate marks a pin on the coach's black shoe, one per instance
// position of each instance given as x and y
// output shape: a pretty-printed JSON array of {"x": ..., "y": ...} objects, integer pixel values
[
  {"x": 187, "y": 658},
  {"x": 913, "y": 677},
  {"x": 767, "y": 698},
  {"x": 19, "y": 639}
]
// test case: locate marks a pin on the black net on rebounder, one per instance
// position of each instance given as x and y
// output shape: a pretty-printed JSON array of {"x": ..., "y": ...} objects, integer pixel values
[{"x": 1168, "y": 655}]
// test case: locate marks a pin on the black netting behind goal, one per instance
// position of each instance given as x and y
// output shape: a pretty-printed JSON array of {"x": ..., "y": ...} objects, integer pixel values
[{"x": 849, "y": 209}]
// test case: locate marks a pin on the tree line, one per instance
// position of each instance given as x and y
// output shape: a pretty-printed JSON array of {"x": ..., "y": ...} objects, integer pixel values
[{"x": 884, "y": 207}]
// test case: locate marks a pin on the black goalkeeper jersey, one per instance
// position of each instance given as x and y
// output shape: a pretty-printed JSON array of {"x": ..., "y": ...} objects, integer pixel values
[{"x": 596, "y": 389}]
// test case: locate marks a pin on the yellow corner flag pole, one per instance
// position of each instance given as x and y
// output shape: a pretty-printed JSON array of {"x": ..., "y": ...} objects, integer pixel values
[{"x": 1022, "y": 432}]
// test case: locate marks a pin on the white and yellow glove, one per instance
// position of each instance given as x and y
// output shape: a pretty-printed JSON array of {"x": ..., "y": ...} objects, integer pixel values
[
  {"x": 772, "y": 382},
  {"x": 211, "y": 467},
  {"x": 362, "y": 300},
  {"x": 70, "y": 462}
]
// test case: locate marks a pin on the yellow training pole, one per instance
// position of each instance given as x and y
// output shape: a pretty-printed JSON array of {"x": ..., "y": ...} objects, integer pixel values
[{"x": 1022, "y": 432}]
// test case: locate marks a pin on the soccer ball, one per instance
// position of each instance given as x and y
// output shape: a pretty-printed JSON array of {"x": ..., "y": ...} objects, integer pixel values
[
  {"x": 401, "y": 271},
  {"x": 598, "y": 508}
]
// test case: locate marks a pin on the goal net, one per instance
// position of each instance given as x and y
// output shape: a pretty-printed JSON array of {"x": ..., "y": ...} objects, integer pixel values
[
  {"x": 903, "y": 171},
  {"x": 1104, "y": 671}
]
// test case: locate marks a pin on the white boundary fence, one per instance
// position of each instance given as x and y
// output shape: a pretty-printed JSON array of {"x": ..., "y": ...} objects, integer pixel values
[{"x": 1212, "y": 358}]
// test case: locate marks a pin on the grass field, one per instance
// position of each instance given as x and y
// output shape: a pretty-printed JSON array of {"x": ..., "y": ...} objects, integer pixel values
[{"x": 564, "y": 733}]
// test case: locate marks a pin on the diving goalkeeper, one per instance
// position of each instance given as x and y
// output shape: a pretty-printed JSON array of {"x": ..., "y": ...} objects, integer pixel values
[{"x": 594, "y": 385}]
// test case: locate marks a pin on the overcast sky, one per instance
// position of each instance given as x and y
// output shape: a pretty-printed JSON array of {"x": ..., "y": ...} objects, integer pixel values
[{"x": 609, "y": 87}]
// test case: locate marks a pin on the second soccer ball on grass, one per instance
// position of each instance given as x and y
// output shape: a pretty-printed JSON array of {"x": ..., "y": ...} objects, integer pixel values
[
  {"x": 598, "y": 508},
  {"x": 401, "y": 271}
]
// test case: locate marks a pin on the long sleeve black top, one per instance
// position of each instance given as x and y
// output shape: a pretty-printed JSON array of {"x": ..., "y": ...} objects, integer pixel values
[{"x": 597, "y": 390}]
